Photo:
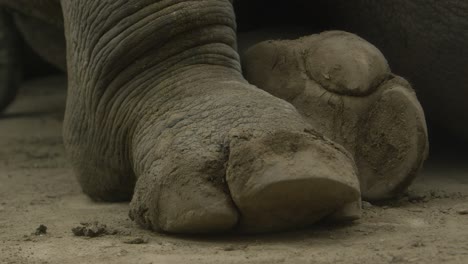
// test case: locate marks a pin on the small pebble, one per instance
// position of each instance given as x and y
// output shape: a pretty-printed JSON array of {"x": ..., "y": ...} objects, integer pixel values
[
  {"x": 41, "y": 230},
  {"x": 463, "y": 211}
]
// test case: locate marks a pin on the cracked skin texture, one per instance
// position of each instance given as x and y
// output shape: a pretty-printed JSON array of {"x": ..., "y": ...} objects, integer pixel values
[{"x": 158, "y": 111}]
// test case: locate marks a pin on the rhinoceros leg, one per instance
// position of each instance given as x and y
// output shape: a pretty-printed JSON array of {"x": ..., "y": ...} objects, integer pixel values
[{"x": 158, "y": 111}]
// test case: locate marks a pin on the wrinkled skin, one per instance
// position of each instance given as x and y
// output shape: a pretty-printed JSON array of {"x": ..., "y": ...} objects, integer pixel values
[{"x": 158, "y": 112}]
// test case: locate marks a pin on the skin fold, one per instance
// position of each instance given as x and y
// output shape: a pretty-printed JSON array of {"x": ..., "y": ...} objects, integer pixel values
[{"x": 159, "y": 113}]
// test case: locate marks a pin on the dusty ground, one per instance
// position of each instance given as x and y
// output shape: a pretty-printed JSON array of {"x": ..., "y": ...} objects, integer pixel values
[{"x": 37, "y": 187}]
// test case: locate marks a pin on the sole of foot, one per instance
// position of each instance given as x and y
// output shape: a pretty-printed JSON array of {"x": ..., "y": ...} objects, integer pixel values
[{"x": 343, "y": 86}]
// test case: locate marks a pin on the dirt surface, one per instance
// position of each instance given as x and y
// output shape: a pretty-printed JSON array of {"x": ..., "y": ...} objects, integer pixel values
[{"x": 37, "y": 188}]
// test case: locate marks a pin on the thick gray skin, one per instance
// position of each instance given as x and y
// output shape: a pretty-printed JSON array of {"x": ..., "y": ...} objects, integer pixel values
[{"x": 144, "y": 83}]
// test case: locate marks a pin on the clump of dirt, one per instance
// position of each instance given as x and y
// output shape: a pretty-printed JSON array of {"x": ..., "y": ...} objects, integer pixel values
[
  {"x": 41, "y": 230},
  {"x": 93, "y": 229}
]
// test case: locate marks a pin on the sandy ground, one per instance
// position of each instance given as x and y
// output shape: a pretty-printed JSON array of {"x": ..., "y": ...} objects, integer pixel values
[{"x": 37, "y": 187}]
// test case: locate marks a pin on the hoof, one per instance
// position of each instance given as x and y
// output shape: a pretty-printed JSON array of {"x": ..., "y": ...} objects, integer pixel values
[{"x": 288, "y": 182}]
